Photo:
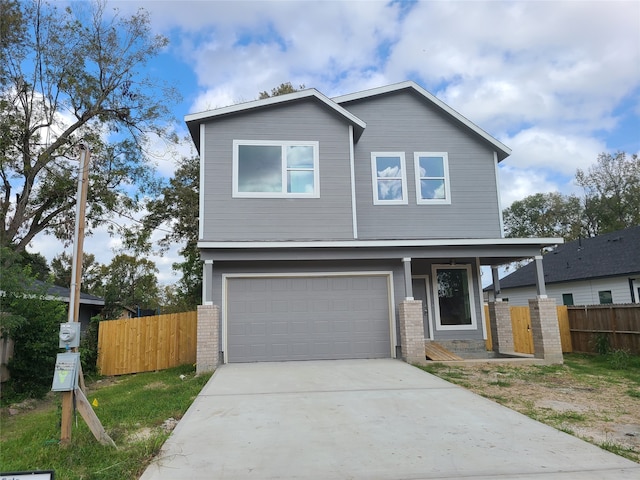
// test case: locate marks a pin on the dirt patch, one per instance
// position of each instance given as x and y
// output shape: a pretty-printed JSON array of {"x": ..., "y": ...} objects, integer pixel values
[
  {"x": 145, "y": 433},
  {"x": 602, "y": 412},
  {"x": 156, "y": 386}
]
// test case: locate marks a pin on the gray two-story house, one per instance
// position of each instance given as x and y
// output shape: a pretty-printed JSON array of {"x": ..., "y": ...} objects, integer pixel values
[{"x": 329, "y": 225}]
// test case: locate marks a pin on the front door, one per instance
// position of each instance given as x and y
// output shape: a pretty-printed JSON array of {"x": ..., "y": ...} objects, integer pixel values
[{"x": 421, "y": 292}]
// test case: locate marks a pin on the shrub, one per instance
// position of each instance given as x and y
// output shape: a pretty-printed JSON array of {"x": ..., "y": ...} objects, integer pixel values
[{"x": 89, "y": 348}]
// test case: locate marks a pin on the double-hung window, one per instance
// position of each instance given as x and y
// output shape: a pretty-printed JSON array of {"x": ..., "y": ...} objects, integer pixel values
[
  {"x": 432, "y": 177},
  {"x": 389, "y": 178},
  {"x": 275, "y": 169}
]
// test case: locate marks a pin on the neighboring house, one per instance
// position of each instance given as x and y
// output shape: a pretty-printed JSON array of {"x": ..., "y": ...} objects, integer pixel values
[
  {"x": 135, "y": 312},
  {"x": 90, "y": 305},
  {"x": 589, "y": 271},
  {"x": 322, "y": 219}
]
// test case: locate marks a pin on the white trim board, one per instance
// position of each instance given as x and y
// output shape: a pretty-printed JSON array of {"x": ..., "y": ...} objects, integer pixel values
[{"x": 438, "y": 242}]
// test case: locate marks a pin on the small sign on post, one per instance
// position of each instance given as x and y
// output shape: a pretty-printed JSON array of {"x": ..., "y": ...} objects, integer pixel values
[
  {"x": 36, "y": 475},
  {"x": 65, "y": 376}
]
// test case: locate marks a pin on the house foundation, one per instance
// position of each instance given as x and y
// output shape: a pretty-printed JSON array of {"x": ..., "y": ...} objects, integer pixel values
[{"x": 208, "y": 346}]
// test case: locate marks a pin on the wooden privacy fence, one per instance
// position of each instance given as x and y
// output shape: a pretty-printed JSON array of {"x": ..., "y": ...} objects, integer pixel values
[
  {"x": 146, "y": 344},
  {"x": 617, "y": 326},
  {"x": 522, "y": 334}
]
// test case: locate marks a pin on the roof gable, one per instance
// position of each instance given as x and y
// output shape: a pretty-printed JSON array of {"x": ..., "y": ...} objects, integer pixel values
[
  {"x": 606, "y": 255},
  {"x": 502, "y": 150},
  {"x": 194, "y": 120}
]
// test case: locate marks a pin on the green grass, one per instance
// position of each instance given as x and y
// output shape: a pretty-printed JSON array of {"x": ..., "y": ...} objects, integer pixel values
[{"x": 129, "y": 405}]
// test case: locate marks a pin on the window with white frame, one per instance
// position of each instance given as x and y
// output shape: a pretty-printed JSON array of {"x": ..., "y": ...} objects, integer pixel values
[
  {"x": 389, "y": 178},
  {"x": 454, "y": 299},
  {"x": 432, "y": 177},
  {"x": 275, "y": 169}
]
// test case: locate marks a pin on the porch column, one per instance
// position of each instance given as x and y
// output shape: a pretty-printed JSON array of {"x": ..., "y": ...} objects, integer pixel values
[
  {"x": 411, "y": 331},
  {"x": 408, "y": 285},
  {"x": 208, "y": 338},
  {"x": 207, "y": 282},
  {"x": 496, "y": 283},
  {"x": 501, "y": 329},
  {"x": 540, "y": 285},
  {"x": 545, "y": 330}
]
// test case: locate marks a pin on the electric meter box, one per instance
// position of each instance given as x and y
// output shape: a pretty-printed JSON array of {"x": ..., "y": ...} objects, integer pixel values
[
  {"x": 69, "y": 335},
  {"x": 65, "y": 376}
]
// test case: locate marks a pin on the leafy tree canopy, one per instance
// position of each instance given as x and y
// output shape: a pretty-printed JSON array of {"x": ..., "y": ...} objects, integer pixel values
[
  {"x": 281, "y": 89},
  {"x": 68, "y": 75},
  {"x": 128, "y": 281},
  {"x": 611, "y": 193},
  {"x": 611, "y": 202},
  {"x": 61, "y": 267},
  {"x": 544, "y": 215}
]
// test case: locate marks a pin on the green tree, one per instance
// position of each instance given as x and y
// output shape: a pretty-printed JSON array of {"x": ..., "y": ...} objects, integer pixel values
[
  {"x": 611, "y": 193},
  {"x": 33, "y": 322},
  {"x": 61, "y": 267},
  {"x": 131, "y": 282},
  {"x": 68, "y": 75},
  {"x": 544, "y": 215},
  {"x": 281, "y": 89},
  {"x": 177, "y": 208}
]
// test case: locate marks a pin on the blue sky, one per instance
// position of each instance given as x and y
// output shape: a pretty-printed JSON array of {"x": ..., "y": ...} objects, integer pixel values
[{"x": 558, "y": 82}]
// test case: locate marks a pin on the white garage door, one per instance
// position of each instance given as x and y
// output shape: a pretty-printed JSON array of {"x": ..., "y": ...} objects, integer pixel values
[{"x": 307, "y": 318}]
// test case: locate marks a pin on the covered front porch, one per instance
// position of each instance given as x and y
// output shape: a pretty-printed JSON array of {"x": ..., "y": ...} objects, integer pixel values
[{"x": 440, "y": 324}]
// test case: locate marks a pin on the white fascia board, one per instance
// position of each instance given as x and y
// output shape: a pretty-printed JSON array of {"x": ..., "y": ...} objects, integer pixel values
[
  {"x": 242, "y": 107},
  {"x": 456, "y": 242},
  {"x": 435, "y": 100}
]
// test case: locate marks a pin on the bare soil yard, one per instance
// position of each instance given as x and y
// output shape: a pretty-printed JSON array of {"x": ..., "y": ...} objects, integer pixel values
[{"x": 594, "y": 398}]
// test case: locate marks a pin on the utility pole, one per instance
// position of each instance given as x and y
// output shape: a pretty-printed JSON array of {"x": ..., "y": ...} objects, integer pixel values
[
  {"x": 76, "y": 276},
  {"x": 74, "y": 309}
]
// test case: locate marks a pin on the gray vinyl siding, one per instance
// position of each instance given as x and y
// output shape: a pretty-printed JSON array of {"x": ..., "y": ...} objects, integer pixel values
[
  {"x": 584, "y": 292},
  {"x": 273, "y": 219},
  {"x": 402, "y": 122}
]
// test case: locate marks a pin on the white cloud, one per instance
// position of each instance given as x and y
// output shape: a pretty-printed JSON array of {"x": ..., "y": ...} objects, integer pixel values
[
  {"x": 537, "y": 148},
  {"x": 547, "y": 78}
]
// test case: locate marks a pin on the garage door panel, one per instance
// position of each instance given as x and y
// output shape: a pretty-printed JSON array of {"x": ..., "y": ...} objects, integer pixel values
[{"x": 303, "y": 318}]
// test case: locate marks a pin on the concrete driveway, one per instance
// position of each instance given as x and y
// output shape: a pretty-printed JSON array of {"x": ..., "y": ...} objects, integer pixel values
[{"x": 364, "y": 419}]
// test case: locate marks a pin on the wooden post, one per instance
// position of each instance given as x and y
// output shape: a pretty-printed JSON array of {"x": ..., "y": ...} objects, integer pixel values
[{"x": 76, "y": 276}]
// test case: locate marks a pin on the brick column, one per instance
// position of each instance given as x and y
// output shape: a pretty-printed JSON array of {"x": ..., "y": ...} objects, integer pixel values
[
  {"x": 545, "y": 330},
  {"x": 501, "y": 329},
  {"x": 208, "y": 352},
  {"x": 411, "y": 331}
]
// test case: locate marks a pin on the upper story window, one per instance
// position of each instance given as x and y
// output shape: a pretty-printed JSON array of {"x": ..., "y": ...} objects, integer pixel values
[
  {"x": 275, "y": 169},
  {"x": 432, "y": 177},
  {"x": 389, "y": 178}
]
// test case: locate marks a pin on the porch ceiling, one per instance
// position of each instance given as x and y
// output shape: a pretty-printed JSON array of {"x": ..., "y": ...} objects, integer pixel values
[{"x": 491, "y": 252}]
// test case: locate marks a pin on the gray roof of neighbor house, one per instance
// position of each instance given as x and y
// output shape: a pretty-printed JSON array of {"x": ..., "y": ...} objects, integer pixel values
[
  {"x": 63, "y": 294},
  {"x": 607, "y": 255}
]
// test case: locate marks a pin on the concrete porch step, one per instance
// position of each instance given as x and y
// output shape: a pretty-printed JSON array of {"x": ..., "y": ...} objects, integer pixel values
[{"x": 435, "y": 351}]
